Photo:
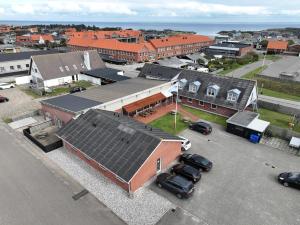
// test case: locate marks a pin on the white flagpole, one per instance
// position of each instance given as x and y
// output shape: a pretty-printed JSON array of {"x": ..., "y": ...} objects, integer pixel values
[{"x": 176, "y": 106}]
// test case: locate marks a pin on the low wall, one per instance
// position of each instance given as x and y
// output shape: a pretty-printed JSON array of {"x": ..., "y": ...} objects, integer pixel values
[
  {"x": 278, "y": 108},
  {"x": 40, "y": 126},
  {"x": 282, "y": 133},
  {"x": 25, "y": 115},
  {"x": 23, "y": 80}
]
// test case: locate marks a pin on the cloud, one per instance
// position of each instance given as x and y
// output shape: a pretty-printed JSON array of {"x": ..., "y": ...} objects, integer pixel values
[{"x": 290, "y": 12}]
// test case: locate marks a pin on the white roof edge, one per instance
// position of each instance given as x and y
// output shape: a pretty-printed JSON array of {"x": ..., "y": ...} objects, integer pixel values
[{"x": 258, "y": 125}]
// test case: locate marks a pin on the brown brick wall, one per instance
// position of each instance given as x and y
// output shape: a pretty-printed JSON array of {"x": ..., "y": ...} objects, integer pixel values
[
  {"x": 207, "y": 107},
  {"x": 244, "y": 51},
  {"x": 65, "y": 117},
  {"x": 168, "y": 151},
  {"x": 96, "y": 166}
]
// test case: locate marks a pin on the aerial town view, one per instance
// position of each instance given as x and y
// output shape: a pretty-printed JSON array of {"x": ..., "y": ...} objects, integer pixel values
[{"x": 149, "y": 112}]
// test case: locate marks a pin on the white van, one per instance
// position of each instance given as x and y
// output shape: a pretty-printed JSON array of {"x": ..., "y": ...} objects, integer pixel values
[{"x": 185, "y": 144}]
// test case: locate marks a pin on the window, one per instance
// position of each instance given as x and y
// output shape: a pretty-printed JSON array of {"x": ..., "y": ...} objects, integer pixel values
[
  {"x": 201, "y": 103},
  {"x": 2, "y": 69},
  {"x": 231, "y": 97},
  {"x": 190, "y": 100},
  {"x": 12, "y": 67},
  {"x": 27, "y": 65},
  {"x": 211, "y": 92},
  {"x": 193, "y": 88},
  {"x": 158, "y": 165},
  {"x": 213, "y": 106},
  {"x": 19, "y": 67}
]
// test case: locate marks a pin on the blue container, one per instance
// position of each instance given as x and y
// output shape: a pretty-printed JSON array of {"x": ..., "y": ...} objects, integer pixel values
[{"x": 254, "y": 138}]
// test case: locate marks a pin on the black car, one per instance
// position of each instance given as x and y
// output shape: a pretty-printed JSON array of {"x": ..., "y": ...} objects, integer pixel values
[
  {"x": 187, "y": 171},
  {"x": 3, "y": 99},
  {"x": 196, "y": 161},
  {"x": 176, "y": 184},
  {"x": 201, "y": 127},
  {"x": 77, "y": 89},
  {"x": 291, "y": 179}
]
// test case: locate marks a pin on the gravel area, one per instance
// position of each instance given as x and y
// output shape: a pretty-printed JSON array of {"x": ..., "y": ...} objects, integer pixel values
[{"x": 146, "y": 208}]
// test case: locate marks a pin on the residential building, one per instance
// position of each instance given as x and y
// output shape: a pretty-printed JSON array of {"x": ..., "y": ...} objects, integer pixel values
[
  {"x": 130, "y": 52},
  {"x": 127, "y": 152},
  {"x": 180, "y": 45},
  {"x": 211, "y": 93},
  {"x": 229, "y": 49},
  {"x": 295, "y": 48},
  {"x": 18, "y": 63},
  {"x": 116, "y": 97},
  {"x": 5, "y": 29},
  {"x": 277, "y": 46},
  {"x": 34, "y": 39},
  {"x": 57, "y": 69}
]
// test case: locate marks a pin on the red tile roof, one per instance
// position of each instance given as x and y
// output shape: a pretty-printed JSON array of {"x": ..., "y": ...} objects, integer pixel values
[
  {"x": 111, "y": 44},
  {"x": 105, "y": 34},
  {"x": 179, "y": 40},
  {"x": 46, "y": 37},
  {"x": 281, "y": 45}
]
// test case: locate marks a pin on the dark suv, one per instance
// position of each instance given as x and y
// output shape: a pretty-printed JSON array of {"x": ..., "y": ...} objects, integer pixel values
[
  {"x": 178, "y": 185},
  {"x": 196, "y": 161},
  {"x": 77, "y": 89},
  {"x": 3, "y": 99},
  {"x": 201, "y": 127},
  {"x": 290, "y": 179},
  {"x": 187, "y": 171}
]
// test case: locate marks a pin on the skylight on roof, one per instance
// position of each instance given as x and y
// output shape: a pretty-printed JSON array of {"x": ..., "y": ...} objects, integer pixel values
[{"x": 61, "y": 69}]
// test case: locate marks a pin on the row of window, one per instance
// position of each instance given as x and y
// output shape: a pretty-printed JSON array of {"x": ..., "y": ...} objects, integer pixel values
[
  {"x": 18, "y": 67},
  {"x": 201, "y": 103}
]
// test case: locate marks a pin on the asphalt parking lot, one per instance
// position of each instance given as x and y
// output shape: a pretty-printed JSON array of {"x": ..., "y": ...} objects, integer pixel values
[
  {"x": 242, "y": 187},
  {"x": 19, "y": 103}
]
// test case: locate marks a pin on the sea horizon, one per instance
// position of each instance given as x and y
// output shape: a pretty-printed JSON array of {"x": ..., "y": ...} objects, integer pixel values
[{"x": 205, "y": 28}]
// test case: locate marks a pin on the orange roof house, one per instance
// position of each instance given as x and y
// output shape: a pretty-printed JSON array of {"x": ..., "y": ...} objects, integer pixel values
[
  {"x": 38, "y": 37},
  {"x": 277, "y": 46}
]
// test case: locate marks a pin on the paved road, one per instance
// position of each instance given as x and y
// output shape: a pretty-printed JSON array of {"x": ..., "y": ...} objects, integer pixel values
[
  {"x": 280, "y": 101},
  {"x": 238, "y": 73},
  {"x": 242, "y": 187},
  {"x": 32, "y": 193}
]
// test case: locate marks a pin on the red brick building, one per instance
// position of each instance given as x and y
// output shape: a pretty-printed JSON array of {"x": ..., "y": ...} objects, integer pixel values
[
  {"x": 34, "y": 39},
  {"x": 275, "y": 46},
  {"x": 127, "y": 152}
]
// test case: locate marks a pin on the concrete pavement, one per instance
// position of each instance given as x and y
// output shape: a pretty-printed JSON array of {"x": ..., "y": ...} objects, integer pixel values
[
  {"x": 32, "y": 193},
  {"x": 238, "y": 73}
]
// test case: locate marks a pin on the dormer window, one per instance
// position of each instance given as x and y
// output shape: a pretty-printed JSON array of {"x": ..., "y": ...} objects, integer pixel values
[
  {"x": 212, "y": 90},
  {"x": 233, "y": 95},
  {"x": 182, "y": 83},
  {"x": 194, "y": 86}
]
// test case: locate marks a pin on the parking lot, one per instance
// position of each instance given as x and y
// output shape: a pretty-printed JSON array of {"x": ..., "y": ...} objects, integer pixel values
[
  {"x": 19, "y": 103},
  {"x": 242, "y": 187}
]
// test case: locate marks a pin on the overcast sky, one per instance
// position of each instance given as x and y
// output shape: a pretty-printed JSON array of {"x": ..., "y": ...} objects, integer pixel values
[{"x": 152, "y": 10}]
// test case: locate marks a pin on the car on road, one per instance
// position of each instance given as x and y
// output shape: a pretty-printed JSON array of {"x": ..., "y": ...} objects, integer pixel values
[
  {"x": 77, "y": 89},
  {"x": 3, "y": 99},
  {"x": 290, "y": 179},
  {"x": 189, "y": 172},
  {"x": 6, "y": 86},
  {"x": 185, "y": 144},
  {"x": 201, "y": 127},
  {"x": 176, "y": 184},
  {"x": 196, "y": 161}
]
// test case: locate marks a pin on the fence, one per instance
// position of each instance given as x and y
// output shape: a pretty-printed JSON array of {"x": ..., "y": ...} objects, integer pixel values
[{"x": 282, "y": 133}]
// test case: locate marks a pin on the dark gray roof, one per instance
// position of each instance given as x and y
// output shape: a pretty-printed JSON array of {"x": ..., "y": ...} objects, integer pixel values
[
  {"x": 54, "y": 65},
  {"x": 225, "y": 84},
  {"x": 106, "y": 73},
  {"x": 117, "y": 142},
  {"x": 5, "y": 57},
  {"x": 232, "y": 45},
  {"x": 70, "y": 103},
  {"x": 242, "y": 119}
]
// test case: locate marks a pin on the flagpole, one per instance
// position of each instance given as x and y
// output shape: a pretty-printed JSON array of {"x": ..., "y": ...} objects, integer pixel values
[{"x": 176, "y": 107}]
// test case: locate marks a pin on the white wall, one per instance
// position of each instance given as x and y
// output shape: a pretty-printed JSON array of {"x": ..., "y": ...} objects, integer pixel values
[
  {"x": 15, "y": 63},
  {"x": 23, "y": 80},
  {"x": 89, "y": 78},
  {"x": 119, "y": 103},
  {"x": 57, "y": 81}
]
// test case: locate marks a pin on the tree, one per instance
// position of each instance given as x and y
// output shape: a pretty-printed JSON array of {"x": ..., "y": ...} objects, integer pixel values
[
  {"x": 264, "y": 43},
  {"x": 291, "y": 42}
]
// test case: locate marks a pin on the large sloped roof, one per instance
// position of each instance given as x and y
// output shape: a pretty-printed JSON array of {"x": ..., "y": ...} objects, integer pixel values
[
  {"x": 116, "y": 142},
  {"x": 225, "y": 83}
]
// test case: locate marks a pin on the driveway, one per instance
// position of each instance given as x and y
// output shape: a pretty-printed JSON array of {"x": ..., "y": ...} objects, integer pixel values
[
  {"x": 242, "y": 187},
  {"x": 19, "y": 103}
]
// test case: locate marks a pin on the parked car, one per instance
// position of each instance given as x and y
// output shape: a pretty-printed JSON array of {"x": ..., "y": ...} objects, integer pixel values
[
  {"x": 201, "y": 127},
  {"x": 176, "y": 184},
  {"x": 77, "y": 89},
  {"x": 185, "y": 144},
  {"x": 291, "y": 179},
  {"x": 196, "y": 161},
  {"x": 6, "y": 86},
  {"x": 3, "y": 99},
  {"x": 187, "y": 171}
]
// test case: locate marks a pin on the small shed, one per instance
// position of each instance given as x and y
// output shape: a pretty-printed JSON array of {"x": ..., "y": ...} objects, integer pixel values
[{"x": 247, "y": 124}]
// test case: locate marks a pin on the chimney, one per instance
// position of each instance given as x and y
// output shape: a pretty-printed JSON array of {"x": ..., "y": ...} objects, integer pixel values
[{"x": 87, "y": 62}]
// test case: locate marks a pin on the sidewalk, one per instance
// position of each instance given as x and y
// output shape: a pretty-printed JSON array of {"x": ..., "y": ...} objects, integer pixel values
[{"x": 280, "y": 101}]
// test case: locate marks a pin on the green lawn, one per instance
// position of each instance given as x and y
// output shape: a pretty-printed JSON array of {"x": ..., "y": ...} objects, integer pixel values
[
  {"x": 277, "y": 94},
  {"x": 252, "y": 74},
  {"x": 234, "y": 67},
  {"x": 271, "y": 57},
  {"x": 166, "y": 123},
  {"x": 207, "y": 116},
  {"x": 277, "y": 119}
]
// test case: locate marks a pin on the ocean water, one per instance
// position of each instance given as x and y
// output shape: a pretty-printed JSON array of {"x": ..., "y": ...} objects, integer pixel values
[{"x": 200, "y": 28}]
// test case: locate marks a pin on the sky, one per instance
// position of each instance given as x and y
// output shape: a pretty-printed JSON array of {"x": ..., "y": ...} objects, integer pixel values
[{"x": 151, "y": 10}]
